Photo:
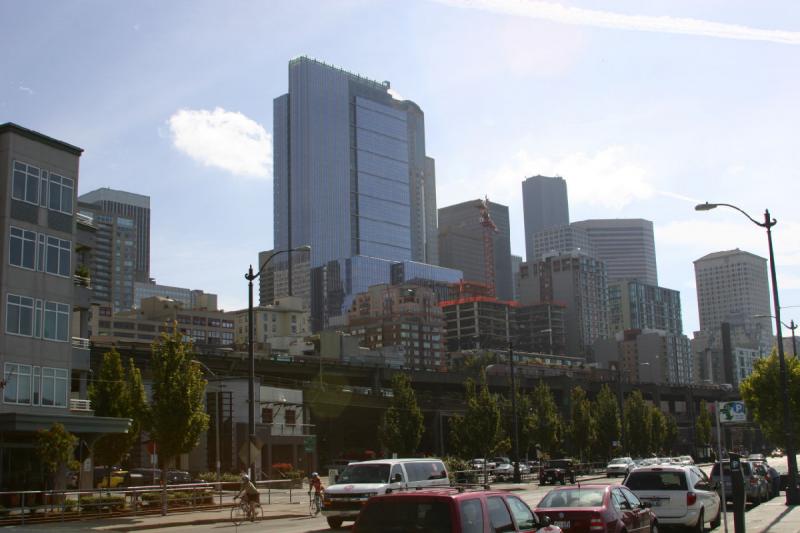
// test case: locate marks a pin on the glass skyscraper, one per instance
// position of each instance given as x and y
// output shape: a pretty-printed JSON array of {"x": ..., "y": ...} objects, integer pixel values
[{"x": 351, "y": 179}]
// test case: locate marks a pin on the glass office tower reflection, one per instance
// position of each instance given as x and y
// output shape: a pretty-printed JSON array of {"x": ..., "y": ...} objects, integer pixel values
[{"x": 351, "y": 177}]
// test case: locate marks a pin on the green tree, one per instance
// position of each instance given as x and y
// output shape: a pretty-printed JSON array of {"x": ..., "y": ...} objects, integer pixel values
[
  {"x": 658, "y": 430},
  {"x": 403, "y": 423},
  {"x": 762, "y": 395},
  {"x": 581, "y": 424},
  {"x": 55, "y": 447},
  {"x": 526, "y": 424},
  {"x": 177, "y": 412},
  {"x": 608, "y": 424},
  {"x": 671, "y": 435},
  {"x": 702, "y": 426},
  {"x": 547, "y": 427},
  {"x": 117, "y": 394},
  {"x": 638, "y": 424},
  {"x": 479, "y": 433}
]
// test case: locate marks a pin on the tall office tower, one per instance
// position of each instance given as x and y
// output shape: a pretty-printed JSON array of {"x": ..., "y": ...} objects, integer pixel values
[
  {"x": 266, "y": 282},
  {"x": 637, "y": 305},
  {"x": 43, "y": 342},
  {"x": 732, "y": 288},
  {"x": 351, "y": 174},
  {"x": 516, "y": 261},
  {"x": 625, "y": 245},
  {"x": 545, "y": 205},
  {"x": 129, "y": 206},
  {"x": 111, "y": 261},
  {"x": 462, "y": 244},
  {"x": 578, "y": 282},
  {"x": 559, "y": 240}
]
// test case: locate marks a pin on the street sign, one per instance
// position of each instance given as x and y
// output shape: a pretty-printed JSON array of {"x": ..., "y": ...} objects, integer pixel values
[{"x": 732, "y": 412}]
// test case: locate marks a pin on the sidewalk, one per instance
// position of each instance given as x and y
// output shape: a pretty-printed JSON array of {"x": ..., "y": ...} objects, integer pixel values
[{"x": 771, "y": 517}]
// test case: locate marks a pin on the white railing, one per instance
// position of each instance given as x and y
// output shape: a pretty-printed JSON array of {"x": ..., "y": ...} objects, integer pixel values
[
  {"x": 76, "y": 404},
  {"x": 79, "y": 342}
]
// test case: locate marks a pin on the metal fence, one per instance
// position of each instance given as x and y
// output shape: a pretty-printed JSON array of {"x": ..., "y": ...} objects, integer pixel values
[{"x": 23, "y": 507}]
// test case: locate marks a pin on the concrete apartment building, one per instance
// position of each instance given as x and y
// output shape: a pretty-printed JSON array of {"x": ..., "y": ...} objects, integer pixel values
[
  {"x": 626, "y": 246},
  {"x": 189, "y": 298},
  {"x": 407, "y": 316},
  {"x": 545, "y": 205},
  {"x": 638, "y": 305},
  {"x": 645, "y": 356},
  {"x": 561, "y": 239},
  {"x": 281, "y": 327},
  {"x": 274, "y": 281},
  {"x": 45, "y": 361},
  {"x": 461, "y": 244},
  {"x": 577, "y": 282},
  {"x": 478, "y": 322},
  {"x": 352, "y": 180},
  {"x": 158, "y": 314},
  {"x": 540, "y": 328}
]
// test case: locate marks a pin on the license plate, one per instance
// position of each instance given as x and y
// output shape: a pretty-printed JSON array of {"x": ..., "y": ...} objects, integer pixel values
[
  {"x": 654, "y": 503},
  {"x": 563, "y": 524}
]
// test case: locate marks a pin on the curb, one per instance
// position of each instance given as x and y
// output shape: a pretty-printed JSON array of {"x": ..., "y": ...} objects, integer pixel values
[{"x": 196, "y": 522}]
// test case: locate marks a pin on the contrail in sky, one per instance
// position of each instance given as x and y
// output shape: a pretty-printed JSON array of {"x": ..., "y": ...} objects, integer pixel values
[{"x": 606, "y": 19}]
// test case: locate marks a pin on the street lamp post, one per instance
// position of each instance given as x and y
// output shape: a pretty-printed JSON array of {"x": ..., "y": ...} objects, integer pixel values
[
  {"x": 792, "y": 497},
  {"x": 251, "y": 420},
  {"x": 517, "y": 478}
]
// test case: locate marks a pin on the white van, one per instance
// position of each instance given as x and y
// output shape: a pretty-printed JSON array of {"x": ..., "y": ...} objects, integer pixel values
[{"x": 359, "y": 481}]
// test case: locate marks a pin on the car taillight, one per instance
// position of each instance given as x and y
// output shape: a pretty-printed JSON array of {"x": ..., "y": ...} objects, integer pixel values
[
  {"x": 596, "y": 523},
  {"x": 691, "y": 498}
]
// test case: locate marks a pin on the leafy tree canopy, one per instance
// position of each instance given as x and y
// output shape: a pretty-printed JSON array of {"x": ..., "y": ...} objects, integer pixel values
[
  {"x": 762, "y": 395},
  {"x": 403, "y": 423}
]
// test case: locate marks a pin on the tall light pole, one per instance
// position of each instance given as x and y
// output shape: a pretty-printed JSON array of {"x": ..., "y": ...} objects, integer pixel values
[
  {"x": 216, "y": 424},
  {"x": 792, "y": 496},
  {"x": 251, "y": 420},
  {"x": 517, "y": 478}
]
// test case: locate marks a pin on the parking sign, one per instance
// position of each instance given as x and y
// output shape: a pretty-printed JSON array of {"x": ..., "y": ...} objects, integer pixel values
[{"x": 732, "y": 412}]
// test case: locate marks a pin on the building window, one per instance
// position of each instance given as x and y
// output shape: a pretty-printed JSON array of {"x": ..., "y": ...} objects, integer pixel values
[
  {"x": 227, "y": 324},
  {"x": 61, "y": 191},
  {"x": 56, "y": 321},
  {"x": 227, "y": 337},
  {"x": 54, "y": 387},
  {"x": 58, "y": 256},
  {"x": 19, "y": 315},
  {"x": 22, "y": 248},
  {"x": 289, "y": 416},
  {"x": 26, "y": 183},
  {"x": 18, "y": 384},
  {"x": 266, "y": 415}
]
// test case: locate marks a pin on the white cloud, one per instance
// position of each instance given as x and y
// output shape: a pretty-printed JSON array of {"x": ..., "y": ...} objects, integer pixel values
[
  {"x": 555, "y": 12},
  {"x": 610, "y": 178},
  {"x": 26, "y": 89},
  {"x": 223, "y": 139}
]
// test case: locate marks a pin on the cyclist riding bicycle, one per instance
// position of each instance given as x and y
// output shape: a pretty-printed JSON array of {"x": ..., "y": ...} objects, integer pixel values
[
  {"x": 316, "y": 483},
  {"x": 247, "y": 491}
]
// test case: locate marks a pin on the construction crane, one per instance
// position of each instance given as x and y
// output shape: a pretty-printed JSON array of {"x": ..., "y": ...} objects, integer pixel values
[{"x": 489, "y": 229}]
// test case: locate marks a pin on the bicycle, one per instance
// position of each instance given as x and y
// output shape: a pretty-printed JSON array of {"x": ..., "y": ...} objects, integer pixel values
[
  {"x": 246, "y": 510},
  {"x": 314, "y": 503}
]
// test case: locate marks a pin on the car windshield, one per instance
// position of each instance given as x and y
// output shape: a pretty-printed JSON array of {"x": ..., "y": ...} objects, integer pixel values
[
  {"x": 656, "y": 481},
  {"x": 559, "y": 464},
  {"x": 573, "y": 498},
  {"x": 401, "y": 515},
  {"x": 377, "y": 473},
  {"x": 619, "y": 461}
]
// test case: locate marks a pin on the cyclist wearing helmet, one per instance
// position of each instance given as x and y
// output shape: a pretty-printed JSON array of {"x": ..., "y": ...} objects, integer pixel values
[
  {"x": 247, "y": 491},
  {"x": 316, "y": 483}
]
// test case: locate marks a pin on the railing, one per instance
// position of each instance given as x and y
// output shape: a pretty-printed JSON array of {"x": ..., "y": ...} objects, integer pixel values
[
  {"x": 79, "y": 342},
  {"x": 23, "y": 507},
  {"x": 76, "y": 404},
  {"x": 82, "y": 281}
]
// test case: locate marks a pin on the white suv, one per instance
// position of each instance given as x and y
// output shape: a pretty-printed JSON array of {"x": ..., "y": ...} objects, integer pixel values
[{"x": 678, "y": 495}]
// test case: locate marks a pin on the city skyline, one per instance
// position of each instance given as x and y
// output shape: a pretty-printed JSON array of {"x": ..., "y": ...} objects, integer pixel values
[{"x": 640, "y": 123}]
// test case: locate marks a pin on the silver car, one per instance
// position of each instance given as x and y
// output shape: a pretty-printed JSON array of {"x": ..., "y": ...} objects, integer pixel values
[{"x": 621, "y": 466}]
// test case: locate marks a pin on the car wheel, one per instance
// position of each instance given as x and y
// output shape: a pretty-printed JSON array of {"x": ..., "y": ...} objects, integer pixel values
[
  {"x": 716, "y": 522},
  {"x": 335, "y": 522},
  {"x": 700, "y": 526}
]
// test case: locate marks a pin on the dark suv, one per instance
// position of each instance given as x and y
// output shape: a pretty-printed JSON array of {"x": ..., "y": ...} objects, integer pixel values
[
  {"x": 557, "y": 471},
  {"x": 448, "y": 511}
]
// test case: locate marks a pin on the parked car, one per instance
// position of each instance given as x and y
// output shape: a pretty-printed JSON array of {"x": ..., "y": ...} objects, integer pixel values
[
  {"x": 678, "y": 495},
  {"x": 117, "y": 479},
  {"x": 480, "y": 464},
  {"x": 503, "y": 471},
  {"x": 762, "y": 469},
  {"x": 589, "y": 508},
  {"x": 756, "y": 457},
  {"x": 449, "y": 511},
  {"x": 620, "y": 466},
  {"x": 777, "y": 452},
  {"x": 755, "y": 486},
  {"x": 686, "y": 460},
  {"x": 178, "y": 477},
  {"x": 557, "y": 471}
]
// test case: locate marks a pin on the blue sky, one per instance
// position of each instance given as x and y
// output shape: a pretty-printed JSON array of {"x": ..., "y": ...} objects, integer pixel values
[{"x": 645, "y": 108}]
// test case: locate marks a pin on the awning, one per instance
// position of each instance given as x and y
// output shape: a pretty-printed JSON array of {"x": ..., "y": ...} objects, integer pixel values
[{"x": 77, "y": 424}]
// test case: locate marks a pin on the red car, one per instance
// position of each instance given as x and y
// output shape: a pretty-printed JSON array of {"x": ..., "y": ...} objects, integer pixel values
[
  {"x": 597, "y": 509},
  {"x": 449, "y": 511}
]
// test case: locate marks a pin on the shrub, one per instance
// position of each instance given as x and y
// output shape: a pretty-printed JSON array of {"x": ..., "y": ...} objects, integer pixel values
[
  {"x": 227, "y": 477},
  {"x": 96, "y": 503},
  {"x": 459, "y": 470}
]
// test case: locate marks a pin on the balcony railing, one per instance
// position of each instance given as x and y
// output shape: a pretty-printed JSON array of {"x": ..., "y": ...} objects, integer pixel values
[
  {"x": 283, "y": 429},
  {"x": 79, "y": 342},
  {"x": 80, "y": 405}
]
